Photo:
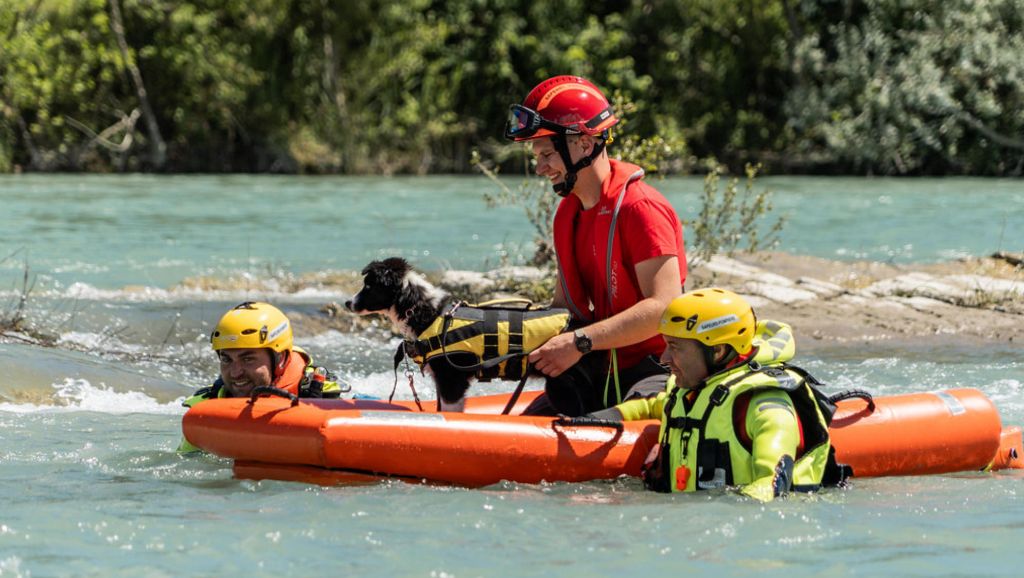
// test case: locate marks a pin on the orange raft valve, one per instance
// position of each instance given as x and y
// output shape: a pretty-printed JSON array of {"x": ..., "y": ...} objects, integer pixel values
[{"x": 1011, "y": 450}]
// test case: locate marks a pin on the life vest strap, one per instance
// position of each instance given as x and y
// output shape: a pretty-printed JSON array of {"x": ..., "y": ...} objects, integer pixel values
[
  {"x": 515, "y": 347},
  {"x": 684, "y": 423},
  {"x": 490, "y": 331}
]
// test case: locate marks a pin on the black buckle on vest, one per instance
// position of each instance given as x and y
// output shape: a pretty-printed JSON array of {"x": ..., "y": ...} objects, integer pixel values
[
  {"x": 682, "y": 423},
  {"x": 452, "y": 308},
  {"x": 718, "y": 395}
]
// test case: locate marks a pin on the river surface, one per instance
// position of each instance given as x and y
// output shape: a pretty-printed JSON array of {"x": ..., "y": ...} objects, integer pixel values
[{"x": 90, "y": 484}]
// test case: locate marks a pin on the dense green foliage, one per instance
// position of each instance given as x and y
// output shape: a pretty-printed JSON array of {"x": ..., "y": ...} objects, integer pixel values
[
  {"x": 381, "y": 86},
  {"x": 916, "y": 86}
]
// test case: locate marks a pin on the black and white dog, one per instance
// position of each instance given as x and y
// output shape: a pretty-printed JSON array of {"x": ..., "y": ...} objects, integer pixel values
[{"x": 392, "y": 288}]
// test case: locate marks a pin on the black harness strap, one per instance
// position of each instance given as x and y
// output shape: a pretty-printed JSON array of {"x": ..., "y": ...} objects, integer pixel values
[
  {"x": 213, "y": 392},
  {"x": 421, "y": 347},
  {"x": 490, "y": 331},
  {"x": 514, "y": 368},
  {"x": 488, "y": 368}
]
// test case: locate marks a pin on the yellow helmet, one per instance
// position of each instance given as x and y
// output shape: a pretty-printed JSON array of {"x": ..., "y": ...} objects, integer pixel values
[
  {"x": 253, "y": 325},
  {"x": 711, "y": 316}
]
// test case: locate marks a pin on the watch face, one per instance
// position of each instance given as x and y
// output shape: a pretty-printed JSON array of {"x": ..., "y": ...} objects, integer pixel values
[{"x": 583, "y": 343}]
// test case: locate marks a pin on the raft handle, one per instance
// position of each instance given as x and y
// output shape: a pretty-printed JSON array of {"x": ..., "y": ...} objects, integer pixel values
[
  {"x": 565, "y": 420},
  {"x": 851, "y": 394},
  {"x": 270, "y": 389}
]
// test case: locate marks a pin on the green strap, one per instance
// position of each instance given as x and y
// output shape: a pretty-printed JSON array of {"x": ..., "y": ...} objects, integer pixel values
[{"x": 613, "y": 370}]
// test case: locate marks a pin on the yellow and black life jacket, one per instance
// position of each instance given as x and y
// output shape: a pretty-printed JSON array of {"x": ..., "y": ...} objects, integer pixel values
[
  {"x": 499, "y": 333},
  {"x": 703, "y": 437}
]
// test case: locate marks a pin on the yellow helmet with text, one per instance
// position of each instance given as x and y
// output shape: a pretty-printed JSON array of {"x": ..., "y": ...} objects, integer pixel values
[
  {"x": 711, "y": 316},
  {"x": 253, "y": 325}
]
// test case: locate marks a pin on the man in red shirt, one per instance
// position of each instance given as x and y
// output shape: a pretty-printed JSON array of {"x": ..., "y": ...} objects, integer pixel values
[{"x": 619, "y": 246}]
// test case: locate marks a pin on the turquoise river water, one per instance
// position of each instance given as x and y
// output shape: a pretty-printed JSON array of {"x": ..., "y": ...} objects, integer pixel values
[{"x": 90, "y": 484}]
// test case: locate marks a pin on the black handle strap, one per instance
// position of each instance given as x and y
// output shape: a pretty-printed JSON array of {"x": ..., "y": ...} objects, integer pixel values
[
  {"x": 853, "y": 394},
  {"x": 515, "y": 394},
  {"x": 564, "y": 420},
  {"x": 271, "y": 390}
]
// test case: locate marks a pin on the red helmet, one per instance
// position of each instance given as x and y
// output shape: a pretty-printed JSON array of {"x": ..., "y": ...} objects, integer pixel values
[{"x": 562, "y": 105}]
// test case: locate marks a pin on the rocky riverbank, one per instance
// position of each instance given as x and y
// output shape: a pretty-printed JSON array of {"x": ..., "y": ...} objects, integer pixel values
[
  {"x": 969, "y": 302},
  {"x": 974, "y": 303}
]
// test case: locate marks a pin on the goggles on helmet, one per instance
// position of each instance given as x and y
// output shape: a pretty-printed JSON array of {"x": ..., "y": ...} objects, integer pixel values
[{"x": 524, "y": 123}]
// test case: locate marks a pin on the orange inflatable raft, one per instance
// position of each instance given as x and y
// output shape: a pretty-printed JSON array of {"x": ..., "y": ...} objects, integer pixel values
[{"x": 330, "y": 441}]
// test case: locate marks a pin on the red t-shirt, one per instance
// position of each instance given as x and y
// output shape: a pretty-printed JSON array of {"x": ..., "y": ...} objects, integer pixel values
[{"x": 647, "y": 227}]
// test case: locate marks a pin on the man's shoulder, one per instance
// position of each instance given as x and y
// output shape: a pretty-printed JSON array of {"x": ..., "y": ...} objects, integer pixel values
[
  {"x": 643, "y": 199},
  {"x": 201, "y": 394}
]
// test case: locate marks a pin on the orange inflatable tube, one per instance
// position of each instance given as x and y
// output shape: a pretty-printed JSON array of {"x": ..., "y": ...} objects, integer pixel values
[
  {"x": 340, "y": 441},
  {"x": 375, "y": 437},
  {"x": 918, "y": 433}
]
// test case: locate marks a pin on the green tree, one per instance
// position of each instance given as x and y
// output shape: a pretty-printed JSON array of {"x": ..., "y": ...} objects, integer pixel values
[
  {"x": 60, "y": 88},
  {"x": 914, "y": 86}
]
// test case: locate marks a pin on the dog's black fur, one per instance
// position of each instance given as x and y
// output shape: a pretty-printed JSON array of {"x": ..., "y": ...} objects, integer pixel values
[{"x": 392, "y": 288}]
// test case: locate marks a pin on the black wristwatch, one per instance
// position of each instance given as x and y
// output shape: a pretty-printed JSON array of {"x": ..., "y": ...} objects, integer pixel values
[{"x": 583, "y": 343}]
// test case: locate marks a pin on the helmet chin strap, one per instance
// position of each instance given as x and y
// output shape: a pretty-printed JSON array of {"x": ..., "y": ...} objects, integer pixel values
[{"x": 561, "y": 143}]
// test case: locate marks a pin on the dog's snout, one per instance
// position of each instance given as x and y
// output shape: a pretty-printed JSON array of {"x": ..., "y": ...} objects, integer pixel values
[{"x": 348, "y": 305}]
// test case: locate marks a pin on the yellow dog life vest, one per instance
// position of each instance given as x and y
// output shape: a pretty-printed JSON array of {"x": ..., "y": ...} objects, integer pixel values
[{"x": 500, "y": 333}]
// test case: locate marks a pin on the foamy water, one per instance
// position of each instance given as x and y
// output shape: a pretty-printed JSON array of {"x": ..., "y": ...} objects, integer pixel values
[
  {"x": 90, "y": 484},
  {"x": 96, "y": 467},
  {"x": 75, "y": 395}
]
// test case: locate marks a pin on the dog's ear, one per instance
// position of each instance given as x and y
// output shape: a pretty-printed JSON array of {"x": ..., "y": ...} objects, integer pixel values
[
  {"x": 398, "y": 265},
  {"x": 387, "y": 273},
  {"x": 372, "y": 265},
  {"x": 397, "y": 268}
]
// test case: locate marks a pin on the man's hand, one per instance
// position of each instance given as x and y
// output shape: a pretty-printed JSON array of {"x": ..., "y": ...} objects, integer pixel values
[{"x": 555, "y": 356}]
